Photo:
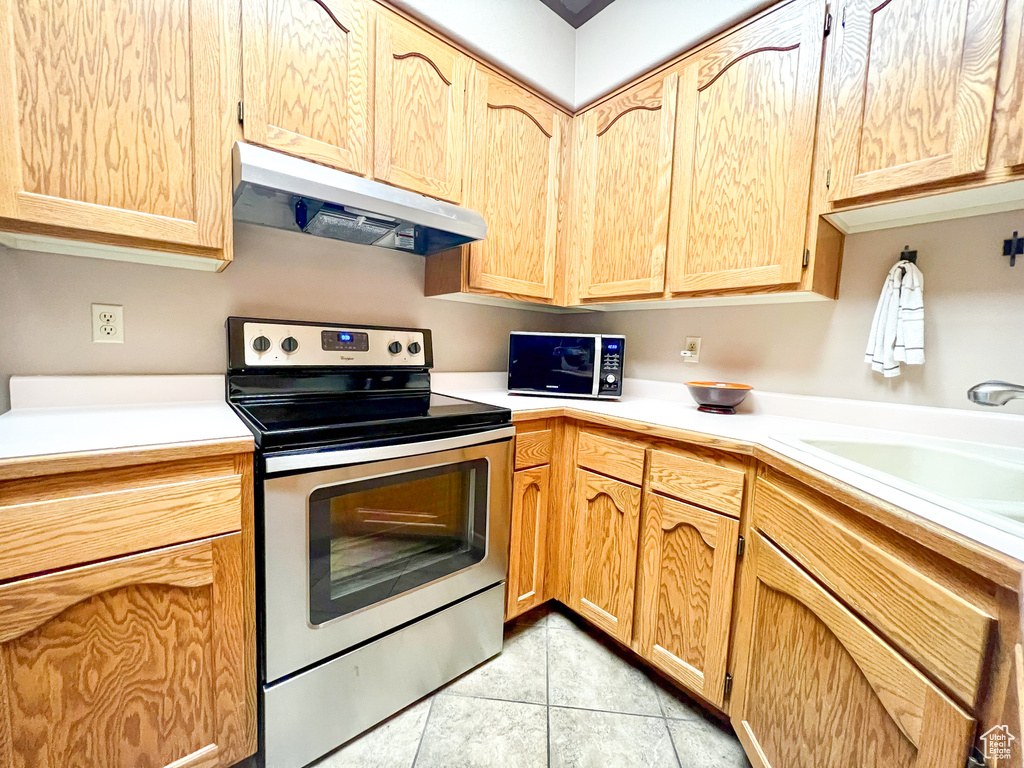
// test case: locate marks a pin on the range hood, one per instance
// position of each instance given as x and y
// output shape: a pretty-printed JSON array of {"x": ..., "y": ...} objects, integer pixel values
[{"x": 277, "y": 190}]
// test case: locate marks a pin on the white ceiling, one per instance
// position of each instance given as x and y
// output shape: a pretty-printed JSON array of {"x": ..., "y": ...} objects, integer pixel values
[{"x": 576, "y": 66}]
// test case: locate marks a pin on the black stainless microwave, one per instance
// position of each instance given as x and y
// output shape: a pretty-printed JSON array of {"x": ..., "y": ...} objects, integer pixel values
[{"x": 565, "y": 364}]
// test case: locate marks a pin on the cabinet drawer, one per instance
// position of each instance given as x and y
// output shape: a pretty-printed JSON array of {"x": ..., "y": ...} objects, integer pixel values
[
  {"x": 615, "y": 458},
  {"x": 533, "y": 448},
  {"x": 945, "y": 634},
  {"x": 701, "y": 482},
  {"x": 84, "y": 526}
]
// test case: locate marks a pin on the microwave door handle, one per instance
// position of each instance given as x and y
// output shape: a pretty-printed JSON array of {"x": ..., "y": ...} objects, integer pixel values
[
  {"x": 345, "y": 456},
  {"x": 598, "y": 351}
]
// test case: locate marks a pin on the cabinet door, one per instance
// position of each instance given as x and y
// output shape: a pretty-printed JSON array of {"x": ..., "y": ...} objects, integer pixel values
[
  {"x": 742, "y": 176},
  {"x": 916, "y": 87},
  {"x": 527, "y": 558},
  {"x": 113, "y": 121},
  {"x": 138, "y": 661},
  {"x": 624, "y": 172},
  {"x": 688, "y": 563},
  {"x": 419, "y": 110},
  {"x": 306, "y": 79},
  {"x": 514, "y": 180},
  {"x": 817, "y": 688},
  {"x": 603, "y": 578}
]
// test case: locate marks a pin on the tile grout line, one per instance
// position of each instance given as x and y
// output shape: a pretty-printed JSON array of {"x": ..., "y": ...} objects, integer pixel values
[
  {"x": 547, "y": 680},
  {"x": 423, "y": 733}
]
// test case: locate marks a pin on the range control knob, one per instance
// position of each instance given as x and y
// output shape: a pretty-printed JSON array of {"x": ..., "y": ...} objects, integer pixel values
[
  {"x": 610, "y": 379},
  {"x": 395, "y": 347},
  {"x": 261, "y": 344},
  {"x": 414, "y": 348},
  {"x": 289, "y": 344}
]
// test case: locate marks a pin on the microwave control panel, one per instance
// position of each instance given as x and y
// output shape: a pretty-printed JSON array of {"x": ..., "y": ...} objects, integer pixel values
[{"x": 610, "y": 382}]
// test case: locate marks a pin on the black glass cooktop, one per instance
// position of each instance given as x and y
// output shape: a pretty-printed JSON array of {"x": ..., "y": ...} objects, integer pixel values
[{"x": 363, "y": 418}]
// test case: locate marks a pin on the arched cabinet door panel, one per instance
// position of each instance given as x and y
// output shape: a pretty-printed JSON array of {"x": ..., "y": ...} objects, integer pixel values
[
  {"x": 684, "y": 609},
  {"x": 514, "y": 180},
  {"x": 623, "y": 166},
  {"x": 419, "y": 110},
  {"x": 815, "y": 687},
  {"x": 306, "y": 79},
  {"x": 916, "y": 88},
  {"x": 744, "y": 148},
  {"x": 531, "y": 490},
  {"x": 138, "y": 660},
  {"x": 603, "y": 574}
]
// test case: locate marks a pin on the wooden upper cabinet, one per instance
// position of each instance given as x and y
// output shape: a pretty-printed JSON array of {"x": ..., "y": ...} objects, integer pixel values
[
  {"x": 136, "y": 661},
  {"x": 1007, "y": 148},
  {"x": 624, "y": 173},
  {"x": 306, "y": 79},
  {"x": 684, "y": 609},
  {"x": 604, "y": 550},
  {"x": 514, "y": 181},
  {"x": 816, "y": 688},
  {"x": 419, "y": 110},
  {"x": 113, "y": 121},
  {"x": 916, "y": 86},
  {"x": 531, "y": 489},
  {"x": 744, "y": 143}
]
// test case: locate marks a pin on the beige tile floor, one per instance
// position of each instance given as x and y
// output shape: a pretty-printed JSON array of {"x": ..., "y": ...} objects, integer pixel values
[{"x": 558, "y": 695}]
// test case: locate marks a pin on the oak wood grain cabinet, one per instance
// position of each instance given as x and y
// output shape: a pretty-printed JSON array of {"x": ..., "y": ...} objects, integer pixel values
[
  {"x": 125, "y": 640},
  {"x": 816, "y": 687},
  {"x": 420, "y": 86},
  {"x": 623, "y": 168},
  {"x": 741, "y": 180},
  {"x": 306, "y": 79},
  {"x": 531, "y": 494},
  {"x": 916, "y": 87},
  {"x": 684, "y": 602},
  {"x": 514, "y": 177},
  {"x": 115, "y": 130},
  {"x": 605, "y": 532}
]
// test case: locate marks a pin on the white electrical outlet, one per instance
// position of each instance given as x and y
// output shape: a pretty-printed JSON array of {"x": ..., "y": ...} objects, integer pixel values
[
  {"x": 691, "y": 352},
  {"x": 108, "y": 323}
]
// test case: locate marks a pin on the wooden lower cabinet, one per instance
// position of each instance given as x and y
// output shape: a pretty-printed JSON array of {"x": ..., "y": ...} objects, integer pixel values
[
  {"x": 133, "y": 662},
  {"x": 604, "y": 550},
  {"x": 817, "y": 688},
  {"x": 684, "y": 604},
  {"x": 531, "y": 490}
]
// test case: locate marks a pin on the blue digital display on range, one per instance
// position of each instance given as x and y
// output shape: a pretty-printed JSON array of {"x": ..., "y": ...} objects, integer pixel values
[
  {"x": 344, "y": 337},
  {"x": 344, "y": 341}
]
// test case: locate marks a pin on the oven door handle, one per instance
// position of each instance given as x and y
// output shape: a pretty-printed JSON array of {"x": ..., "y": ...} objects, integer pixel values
[{"x": 345, "y": 456}]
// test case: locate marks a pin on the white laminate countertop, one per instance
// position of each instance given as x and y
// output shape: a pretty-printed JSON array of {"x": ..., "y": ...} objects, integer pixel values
[
  {"x": 771, "y": 420},
  {"x": 70, "y": 414}
]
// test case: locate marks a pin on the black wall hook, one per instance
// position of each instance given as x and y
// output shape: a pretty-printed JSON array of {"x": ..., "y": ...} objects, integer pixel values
[
  {"x": 908, "y": 255},
  {"x": 1013, "y": 248}
]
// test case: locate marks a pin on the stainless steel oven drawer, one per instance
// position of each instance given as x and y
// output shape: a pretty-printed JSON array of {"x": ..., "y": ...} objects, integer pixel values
[{"x": 313, "y": 712}]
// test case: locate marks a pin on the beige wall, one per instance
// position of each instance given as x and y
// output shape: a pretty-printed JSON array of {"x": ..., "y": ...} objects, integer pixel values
[
  {"x": 174, "y": 318},
  {"x": 974, "y": 326}
]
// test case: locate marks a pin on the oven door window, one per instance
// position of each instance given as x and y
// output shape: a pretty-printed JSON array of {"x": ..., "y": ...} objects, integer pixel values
[{"x": 370, "y": 540}]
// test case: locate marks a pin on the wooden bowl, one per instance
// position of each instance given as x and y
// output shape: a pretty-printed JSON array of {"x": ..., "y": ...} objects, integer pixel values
[{"x": 718, "y": 396}]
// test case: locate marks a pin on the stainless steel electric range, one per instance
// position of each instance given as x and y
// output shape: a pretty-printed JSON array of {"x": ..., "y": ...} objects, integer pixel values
[{"x": 382, "y": 515}]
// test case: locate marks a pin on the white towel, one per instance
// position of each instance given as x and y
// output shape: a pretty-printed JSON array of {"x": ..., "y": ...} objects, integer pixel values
[{"x": 897, "y": 330}]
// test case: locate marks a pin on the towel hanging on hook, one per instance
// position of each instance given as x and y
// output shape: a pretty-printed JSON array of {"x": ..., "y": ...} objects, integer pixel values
[{"x": 897, "y": 329}]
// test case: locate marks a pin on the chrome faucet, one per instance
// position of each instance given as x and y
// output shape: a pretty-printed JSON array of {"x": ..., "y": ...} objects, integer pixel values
[{"x": 995, "y": 393}]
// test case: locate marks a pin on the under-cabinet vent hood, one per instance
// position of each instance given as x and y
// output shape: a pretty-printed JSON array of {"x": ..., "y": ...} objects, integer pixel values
[{"x": 277, "y": 190}]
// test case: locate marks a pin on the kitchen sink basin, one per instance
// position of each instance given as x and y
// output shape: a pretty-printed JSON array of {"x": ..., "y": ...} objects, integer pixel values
[{"x": 983, "y": 481}]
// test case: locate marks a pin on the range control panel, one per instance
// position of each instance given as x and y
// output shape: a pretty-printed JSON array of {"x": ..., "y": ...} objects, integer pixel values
[
  {"x": 612, "y": 349},
  {"x": 271, "y": 343}
]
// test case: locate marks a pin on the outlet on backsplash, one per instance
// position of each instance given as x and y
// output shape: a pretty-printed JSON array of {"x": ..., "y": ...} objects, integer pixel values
[
  {"x": 108, "y": 323},
  {"x": 691, "y": 352}
]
